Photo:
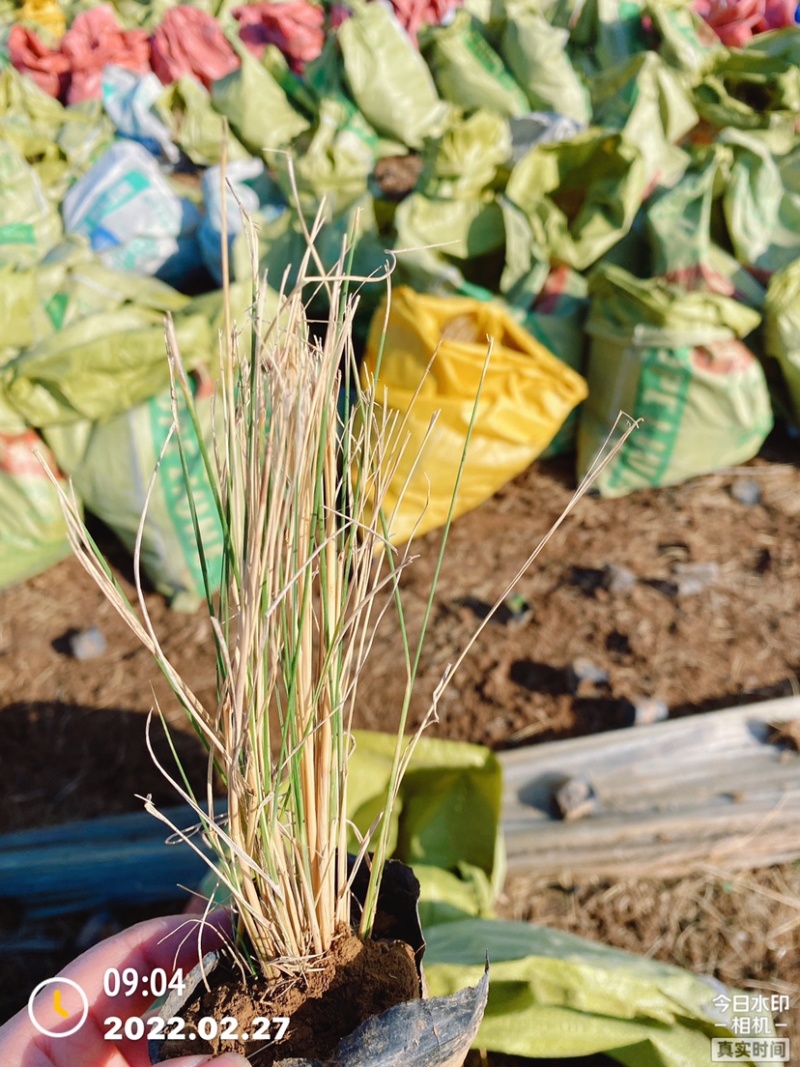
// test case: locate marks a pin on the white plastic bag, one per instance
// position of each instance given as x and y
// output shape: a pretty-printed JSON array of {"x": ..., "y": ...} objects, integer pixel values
[
  {"x": 133, "y": 219},
  {"x": 128, "y": 100}
]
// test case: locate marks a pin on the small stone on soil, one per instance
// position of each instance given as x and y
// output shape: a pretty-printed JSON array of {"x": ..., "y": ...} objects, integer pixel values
[
  {"x": 87, "y": 644},
  {"x": 582, "y": 671},
  {"x": 693, "y": 578},
  {"x": 647, "y": 710},
  {"x": 746, "y": 491},
  {"x": 576, "y": 798},
  {"x": 618, "y": 579}
]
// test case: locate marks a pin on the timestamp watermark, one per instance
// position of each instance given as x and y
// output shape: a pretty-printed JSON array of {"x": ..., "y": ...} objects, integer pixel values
[{"x": 749, "y": 1018}]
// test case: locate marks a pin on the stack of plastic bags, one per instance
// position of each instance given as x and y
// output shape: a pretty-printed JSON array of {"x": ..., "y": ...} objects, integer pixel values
[{"x": 617, "y": 182}]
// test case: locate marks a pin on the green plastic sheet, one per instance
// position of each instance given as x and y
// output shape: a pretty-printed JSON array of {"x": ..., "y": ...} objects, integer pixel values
[
  {"x": 555, "y": 995},
  {"x": 448, "y": 813}
]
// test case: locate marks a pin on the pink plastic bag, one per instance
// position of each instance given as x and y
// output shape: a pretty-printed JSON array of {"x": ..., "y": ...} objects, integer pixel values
[
  {"x": 736, "y": 21},
  {"x": 413, "y": 14},
  {"x": 778, "y": 14},
  {"x": 96, "y": 40},
  {"x": 189, "y": 41},
  {"x": 296, "y": 27},
  {"x": 31, "y": 56}
]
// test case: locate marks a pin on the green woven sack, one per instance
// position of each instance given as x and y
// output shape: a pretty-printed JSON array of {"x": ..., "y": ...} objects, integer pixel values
[{"x": 673, "y": 359}]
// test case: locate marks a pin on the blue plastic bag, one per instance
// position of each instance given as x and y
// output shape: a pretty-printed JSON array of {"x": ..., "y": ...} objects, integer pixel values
[{"x": 131, "y": 216}]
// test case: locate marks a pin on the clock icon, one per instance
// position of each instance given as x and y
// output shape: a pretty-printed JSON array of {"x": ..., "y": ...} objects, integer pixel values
[{"x": 56, "y": 1001}]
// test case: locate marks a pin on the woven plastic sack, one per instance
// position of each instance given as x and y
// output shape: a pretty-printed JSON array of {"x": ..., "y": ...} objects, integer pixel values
[
  {"x": 296, "y": 27},
  {"x": 29, "y": 118},
  {"x": 672, "y": 359},
  {"x": 682, "y": 241},
  {"x": 128, "y": 99},
  {"x": 580, "y": 195},
  {"x": 467, "y": 70},
  {"x": 756, "y": 88},
  {"x": 189, "y": 41},
  {"x": 45, "y": 13},
  {"x": 464, "y": 162},
  {"x": 257, "y": 108},
  {"x": 469, "y": 237},
  {"x": 761, "y": 203},
  {"x": 68, "y": 285},
  {"x": 48, "y": 67},
  {"x": 687, "y": 44},
  {"x": 526, "y": 396},
  {"x": 605, "y": 32},
  {"x": 736, "y": 23},
  {"x": 33, "y": 534},
  {"x": 100, "y": 364},
  {"x": 377, "y": 52},
  {"x": 60, "y": 143},
  {"x": 128, "y": 211},
  {"x": 29, "y": 224},
  {"x": 557, "y": 319},
  {"x": 96, "y": 40},
  {"x": 332, "y": 161},
  {"x": 195, "y": 127},
  {"x": 535, "y": 53},
  {"x": 646, "y": 101},
  {"x": 782, "y": 328},
  {"x": 113, "y": 476},
  {"x": 249, "y": 189}
]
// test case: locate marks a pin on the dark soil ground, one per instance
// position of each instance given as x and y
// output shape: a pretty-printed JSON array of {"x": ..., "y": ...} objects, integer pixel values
[{"x": 72, "y": 734}]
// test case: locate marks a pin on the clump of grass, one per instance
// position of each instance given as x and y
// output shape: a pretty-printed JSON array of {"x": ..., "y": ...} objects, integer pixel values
[{"x": 301, "y": 459}]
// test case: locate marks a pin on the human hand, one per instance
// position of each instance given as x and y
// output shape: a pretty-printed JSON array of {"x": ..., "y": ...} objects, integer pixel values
[{"x": 158, "y": 943}]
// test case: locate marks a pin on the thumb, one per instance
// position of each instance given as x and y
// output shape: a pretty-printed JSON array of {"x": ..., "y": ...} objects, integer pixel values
[{"x": 227, "y": 1059}]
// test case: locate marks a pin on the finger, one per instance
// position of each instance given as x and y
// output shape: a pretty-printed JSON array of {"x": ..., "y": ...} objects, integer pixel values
[
  {"x": 169, "y": 943},
  {"x": 228, "y": 1059}
]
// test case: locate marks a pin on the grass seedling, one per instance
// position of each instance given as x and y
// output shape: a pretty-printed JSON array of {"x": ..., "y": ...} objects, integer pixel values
[{"x": 300, "y": 462}]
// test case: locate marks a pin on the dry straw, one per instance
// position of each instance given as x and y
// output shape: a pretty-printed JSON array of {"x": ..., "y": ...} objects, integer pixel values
[{"x": 300, "y": 461}]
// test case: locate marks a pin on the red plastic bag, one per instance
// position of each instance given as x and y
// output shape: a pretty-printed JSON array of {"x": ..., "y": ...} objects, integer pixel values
[
  {"x": 189, "y": 41},
  {"x": 296, "y": 27},
  {"x": 96, "y": 40},
  {"x": 31, "y": 56}
]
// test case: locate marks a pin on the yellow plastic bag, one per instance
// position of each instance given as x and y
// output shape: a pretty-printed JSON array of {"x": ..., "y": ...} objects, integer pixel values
[
  {"x": 526, "y": 397},
  {"x": 46, "y": 13}
]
